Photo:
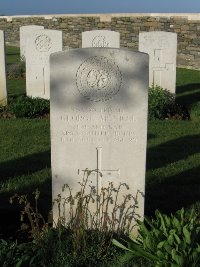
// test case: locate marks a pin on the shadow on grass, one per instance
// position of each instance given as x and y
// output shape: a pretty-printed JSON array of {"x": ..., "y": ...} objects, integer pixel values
[
  {"x": 25, "y": 165},
  {"x": 187, "y": 87},
  {"x": 177, "y": 191},
  {"x": 172, "y": 151},
  {"x": 191, "y": 98},
  {"x": 150, "y": 136},
  {"x": 10, "y": 214}
]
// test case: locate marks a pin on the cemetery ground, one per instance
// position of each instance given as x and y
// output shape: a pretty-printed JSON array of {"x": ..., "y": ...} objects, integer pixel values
[{"x": 173, "y": 156}]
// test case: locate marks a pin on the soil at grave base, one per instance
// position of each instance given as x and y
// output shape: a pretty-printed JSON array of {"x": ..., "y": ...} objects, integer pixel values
[{"x": 6, "y": 115}]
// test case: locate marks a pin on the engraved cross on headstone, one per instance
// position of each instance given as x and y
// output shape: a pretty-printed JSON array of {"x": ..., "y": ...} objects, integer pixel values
[
  {"x": 43, "y": 45},
  {"x": 159, "y": 71},
  {"x": 43, "y": 76},
  {"x": 100, "y": 172},
  {"x": 45, "y": 73}
]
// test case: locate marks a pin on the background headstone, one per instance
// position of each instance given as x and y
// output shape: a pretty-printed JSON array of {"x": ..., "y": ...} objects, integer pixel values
[
  {"x": 25, "y": 31},
  {"x": 3, "y": 91},
  {"x": 162, "y": 49},
  {"x": 101, "y": 38},
  {"x": 40, "y": 45},
  {"x": 99, "y": 117}
]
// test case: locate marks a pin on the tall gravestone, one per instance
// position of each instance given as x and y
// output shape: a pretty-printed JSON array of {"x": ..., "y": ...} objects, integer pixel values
[
  {"x": 25, "y": 31},
  {"x": 40, "y": 45},
  {"x": 3, "y": 91},
  {"x": 99, "y": 118},
  {"x": 101, "y": 38},
  {"x": 162, "y": 49}
]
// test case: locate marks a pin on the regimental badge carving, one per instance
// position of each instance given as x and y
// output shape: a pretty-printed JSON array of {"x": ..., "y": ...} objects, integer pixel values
[
  {"x": 43, "y": 43},
  {"x": 98, "y": 79},
  {"x": 100, "y": 41}
]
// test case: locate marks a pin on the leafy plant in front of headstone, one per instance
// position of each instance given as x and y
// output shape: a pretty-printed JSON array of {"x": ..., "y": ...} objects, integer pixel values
[
  {"x": 85, "y": 238},
  {"x": 166, "y": 240},
  {"x": 162, "y": 105},
  {"x": 28, "y": 107},
  {"x": 19, "y": 255},
  {"x": 158, "y": 100},
  {"x": 92, "y": 230}
]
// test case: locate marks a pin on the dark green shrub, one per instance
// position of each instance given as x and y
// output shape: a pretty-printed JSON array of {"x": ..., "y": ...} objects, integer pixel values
[
  {"x": 167, "y": 240},
  {"x": 27, "y": 107},
  {"x": 159, "y": 100},
  {"x": 13, "y": 254},
  {"x": 177, "y": 112},
  {"x": 57, "y": 249},
  {"x": 162, "y": 105},
  {"x": 16, "y": 71}
]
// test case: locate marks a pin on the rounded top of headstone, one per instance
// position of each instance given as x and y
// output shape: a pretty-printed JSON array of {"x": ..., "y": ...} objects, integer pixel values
[{"x": 43, "y": 43}]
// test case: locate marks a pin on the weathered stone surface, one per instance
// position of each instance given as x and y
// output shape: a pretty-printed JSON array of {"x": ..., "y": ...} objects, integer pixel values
[
  {"x": 3, "y": 91},
  {"x": 99, "y": 118},
  {"x": 25, "y": 31},
  {"x": 40, "y": 45},
  {"x": 100, "y": 38}
]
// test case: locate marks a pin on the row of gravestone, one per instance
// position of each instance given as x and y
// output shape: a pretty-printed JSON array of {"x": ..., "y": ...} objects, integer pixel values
[
  {"x": 37, "y": 44},
  {"x": 99, "y": 100},
  {"x": 99, "y": 103}
]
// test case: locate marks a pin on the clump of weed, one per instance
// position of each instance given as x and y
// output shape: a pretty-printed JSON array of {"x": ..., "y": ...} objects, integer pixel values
[
  {"x": 36, "y": 222},
  {"x": 87, "y": 222},
  {"x": 28, "y": 107},
  {"x": 162, "y": 105}
]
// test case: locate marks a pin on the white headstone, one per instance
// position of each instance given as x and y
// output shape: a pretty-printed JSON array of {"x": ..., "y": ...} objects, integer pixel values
[
  {"x": 40, "y": 45},
  {"x": 101, "y": 38},
  {"x": 162, "y": 48},
  {"x": 3, "y": 91},
  {"x": 99, "y": 117},
  {"x": 25, "y": 31}
]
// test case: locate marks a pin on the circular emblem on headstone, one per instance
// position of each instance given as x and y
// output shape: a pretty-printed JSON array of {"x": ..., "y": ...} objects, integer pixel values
[
  {"x": 98, "y": 79},
  {"x": 43, "y": 43}
]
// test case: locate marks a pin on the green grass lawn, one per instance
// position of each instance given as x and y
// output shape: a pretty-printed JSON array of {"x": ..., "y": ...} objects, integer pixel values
[
  {"x": 12, "y": 54},
  {"x": 16, "y": 87},
  {"x": 173, "y": 155}
]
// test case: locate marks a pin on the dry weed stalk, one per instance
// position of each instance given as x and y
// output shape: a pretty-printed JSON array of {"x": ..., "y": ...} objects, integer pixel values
[{"x": 110, "y": 215}]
